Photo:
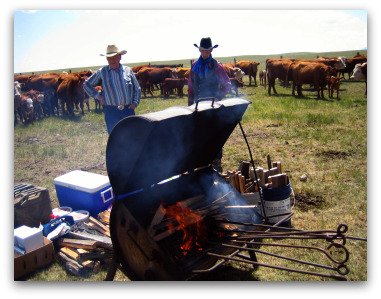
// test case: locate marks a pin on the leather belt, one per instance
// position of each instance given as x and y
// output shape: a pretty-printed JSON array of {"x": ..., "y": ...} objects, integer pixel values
[{"x": 121, "y": 107}]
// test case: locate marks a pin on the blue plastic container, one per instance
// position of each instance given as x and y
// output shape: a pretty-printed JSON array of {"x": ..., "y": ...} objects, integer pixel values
[
  {"x": 277, "y": 203},
  {"x": 83, "y": 190}
]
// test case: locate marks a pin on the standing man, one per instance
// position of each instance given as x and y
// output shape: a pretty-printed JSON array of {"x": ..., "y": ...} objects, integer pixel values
[
  {"x": 208, "y": 79},
  {"x": 121, "y": 91}
]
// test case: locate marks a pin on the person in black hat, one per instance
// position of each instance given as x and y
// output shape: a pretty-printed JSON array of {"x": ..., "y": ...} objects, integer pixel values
[{"x": 208, "y": 79}]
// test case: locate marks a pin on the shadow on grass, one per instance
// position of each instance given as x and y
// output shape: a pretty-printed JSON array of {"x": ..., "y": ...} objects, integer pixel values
[
  {"x": 226, "y": 273},
  {"x": 75, "y": 117},
  {"x": 302, "y": 97}
]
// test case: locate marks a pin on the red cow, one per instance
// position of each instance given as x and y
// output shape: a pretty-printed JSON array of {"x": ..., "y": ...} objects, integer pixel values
[
  {"x": 310, "y": 73},
  {"x": 137, "y": 68},
  {"x": 333, "y": 83},
  {"x": 350, "y": 65},
  {"x": 97, "y": 103},
  {"x": 182, "y": 72},
  {"x": 47, "y": 84},
  {"x": 262, "y": 78},
  {"x": 232, "y": 71},
  {"x": 250, "y": 69},
  {"x": 148, "y": 77},
  {"x": 171, "y": 84},
  {"x": 27, "y": 110},
  {"x": 71, "y": 93},
  {"x": 277, "y": 68}
]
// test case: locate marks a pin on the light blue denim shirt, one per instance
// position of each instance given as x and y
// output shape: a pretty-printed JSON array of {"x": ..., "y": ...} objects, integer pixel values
[{"x": 119, "y": 87}]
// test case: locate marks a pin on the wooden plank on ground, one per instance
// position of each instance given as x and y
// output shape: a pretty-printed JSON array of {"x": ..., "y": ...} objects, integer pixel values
[{"x": 78, "y": 243}]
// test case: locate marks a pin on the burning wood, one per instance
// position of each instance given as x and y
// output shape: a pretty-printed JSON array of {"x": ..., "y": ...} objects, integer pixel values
[{"x": 186, "y": 221}]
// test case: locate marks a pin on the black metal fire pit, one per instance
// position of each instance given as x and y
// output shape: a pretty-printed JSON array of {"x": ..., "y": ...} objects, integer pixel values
[
  {"x": 157, "y": 160},
  {"x": 175, "y": 217}
]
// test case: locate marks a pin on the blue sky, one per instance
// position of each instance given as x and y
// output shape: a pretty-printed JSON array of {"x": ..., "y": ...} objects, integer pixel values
[{"x": 51, "y": 39}]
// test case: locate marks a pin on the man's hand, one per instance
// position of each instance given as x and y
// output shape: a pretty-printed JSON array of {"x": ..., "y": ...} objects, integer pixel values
[{"x": 132, "y": 106}]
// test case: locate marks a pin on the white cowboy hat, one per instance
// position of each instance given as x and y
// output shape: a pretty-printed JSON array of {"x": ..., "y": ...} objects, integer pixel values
[{"x": 113, "y": 50}]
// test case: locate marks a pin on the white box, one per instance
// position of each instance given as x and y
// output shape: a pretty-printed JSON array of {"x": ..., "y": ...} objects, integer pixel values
[{"x": 28, "y": 238}]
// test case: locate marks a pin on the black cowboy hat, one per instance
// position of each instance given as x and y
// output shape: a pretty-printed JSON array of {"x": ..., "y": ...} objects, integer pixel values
[{"x": 205, "y": 44}]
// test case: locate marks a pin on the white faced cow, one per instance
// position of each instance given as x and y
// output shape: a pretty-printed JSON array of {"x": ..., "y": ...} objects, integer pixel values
[
  {"x": 360, "y": 73},
  {"x": 17, "y": 101}
]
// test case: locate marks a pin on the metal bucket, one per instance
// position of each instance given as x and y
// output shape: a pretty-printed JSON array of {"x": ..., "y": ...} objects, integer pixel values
[{"x": 277, "y": 203}]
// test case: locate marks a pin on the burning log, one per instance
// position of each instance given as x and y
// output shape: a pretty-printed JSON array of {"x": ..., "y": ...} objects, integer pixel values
[{"x": 186, "y": 221}]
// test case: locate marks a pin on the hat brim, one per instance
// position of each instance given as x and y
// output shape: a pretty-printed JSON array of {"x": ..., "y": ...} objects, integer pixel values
[
  {"x": 114, "y": 54},
  {"x": 201, "y": 48}
]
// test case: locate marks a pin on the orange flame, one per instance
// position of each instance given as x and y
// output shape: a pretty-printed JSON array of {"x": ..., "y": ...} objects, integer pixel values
[{"x": 190, "y": 223}]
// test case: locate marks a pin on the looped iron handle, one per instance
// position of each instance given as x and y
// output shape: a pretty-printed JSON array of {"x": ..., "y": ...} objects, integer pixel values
[
  {"x": 336, "y": 245},
  {"x": 341, "y": 230},
  {"x": 203, "y": 100},
  {"x": 342, "y": 270}
]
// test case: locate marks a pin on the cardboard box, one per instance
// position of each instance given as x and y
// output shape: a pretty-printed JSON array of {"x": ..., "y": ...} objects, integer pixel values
[
  {"x": 28, "y": 238},
  {"x": 34, "y": 260},
  {"x": 82, "y": 190}
]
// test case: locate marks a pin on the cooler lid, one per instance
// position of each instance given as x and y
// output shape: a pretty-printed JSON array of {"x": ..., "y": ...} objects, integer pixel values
[
  {"x": 146, "y": 149},
  {"x": 83, "y": 181}
]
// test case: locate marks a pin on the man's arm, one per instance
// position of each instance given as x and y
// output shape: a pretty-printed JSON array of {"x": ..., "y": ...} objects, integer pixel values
[
  {"x": 224, "y": 82},
  {"x": 90, "y": 83}
]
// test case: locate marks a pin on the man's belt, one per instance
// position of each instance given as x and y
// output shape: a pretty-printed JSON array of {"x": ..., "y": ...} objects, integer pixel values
[{"x": 121, "y": 107}]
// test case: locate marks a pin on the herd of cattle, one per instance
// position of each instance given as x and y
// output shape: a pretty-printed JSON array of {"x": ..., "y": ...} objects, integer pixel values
[{"x": 38, "y": 96}]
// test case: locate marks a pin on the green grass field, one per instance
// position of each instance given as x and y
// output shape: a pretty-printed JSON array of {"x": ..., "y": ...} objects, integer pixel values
[{"x": 323, "y": 139}]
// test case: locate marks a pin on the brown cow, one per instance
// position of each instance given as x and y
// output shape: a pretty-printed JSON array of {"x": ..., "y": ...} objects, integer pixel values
[
  {"x": 137, "y": 68},
  {"x": 262, "y": 78},
  {"x": 26, "y": 108},
  {"x": 148, "y": 77},
  {"x": 71, "y": 93},
  {"x": 277, "y": 68},
  {"x": 350, "y": 65},
  {"x": 21, "y": 78},
  {"x": 333, "y": 83},
  {"x": 232, "y": 71},
  {"x": 38, "y": 101},
  {"x": 310, "y": 73},
  {"x": 171, "y": 84},
  {"x": 97, "y": 102},
  {"x": 183, "y": 72},
  {"x": 250, "y": 69},
  {"x": 48, "y": 84}
]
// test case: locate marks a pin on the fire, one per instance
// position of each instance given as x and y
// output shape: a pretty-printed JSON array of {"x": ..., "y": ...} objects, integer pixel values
[{"x": 190, "y": 223}]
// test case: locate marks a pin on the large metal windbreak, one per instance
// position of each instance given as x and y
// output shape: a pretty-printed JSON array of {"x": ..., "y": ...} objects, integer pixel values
[{"x": 175, "y": 217}]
